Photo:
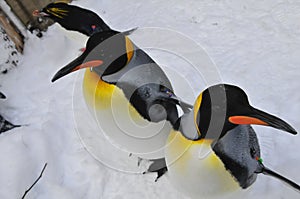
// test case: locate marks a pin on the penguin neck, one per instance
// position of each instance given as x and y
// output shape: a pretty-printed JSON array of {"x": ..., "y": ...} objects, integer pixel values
[
  {"x": 190, "y": 127},
  {"x": 186, "y": 125}
]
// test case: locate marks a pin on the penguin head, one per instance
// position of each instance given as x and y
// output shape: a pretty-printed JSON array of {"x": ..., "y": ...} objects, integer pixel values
[
  {"x": 222, "y": 107},
  {"x": 56, "y": 10},
  {"x": 106, "y": 53}
]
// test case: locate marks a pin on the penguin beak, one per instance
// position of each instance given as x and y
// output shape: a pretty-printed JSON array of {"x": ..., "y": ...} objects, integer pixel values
[
  {"x": 77, "y": 64},
  {"x": 258, "y": 117}
]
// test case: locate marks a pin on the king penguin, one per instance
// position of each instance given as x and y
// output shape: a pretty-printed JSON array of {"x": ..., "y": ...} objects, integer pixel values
[
  {"x": 128, "y": 92},
  {"x": 73, "y": 18},
  {"x": 213, "y": 152}
]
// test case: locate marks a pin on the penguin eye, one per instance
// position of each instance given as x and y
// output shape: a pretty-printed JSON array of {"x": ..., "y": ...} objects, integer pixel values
[{"x": 167, "y": 91}]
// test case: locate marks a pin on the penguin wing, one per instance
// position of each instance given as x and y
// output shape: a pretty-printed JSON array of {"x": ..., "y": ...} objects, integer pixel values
[{"x": 158, "y": 166}]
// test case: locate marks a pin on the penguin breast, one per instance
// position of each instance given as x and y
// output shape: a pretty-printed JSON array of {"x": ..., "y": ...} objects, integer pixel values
[
  {"x": 120, "y": 122},
  {"x": 196, "y": 170}
]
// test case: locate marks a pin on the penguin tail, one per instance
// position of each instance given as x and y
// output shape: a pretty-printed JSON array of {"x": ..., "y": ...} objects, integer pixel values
[{"x": 269, "y": 172}]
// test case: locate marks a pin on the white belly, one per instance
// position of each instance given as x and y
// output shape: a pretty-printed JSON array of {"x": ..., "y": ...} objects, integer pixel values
[
  {"x": 196, "y": 171},
  {"x": 121, "y": 123}
]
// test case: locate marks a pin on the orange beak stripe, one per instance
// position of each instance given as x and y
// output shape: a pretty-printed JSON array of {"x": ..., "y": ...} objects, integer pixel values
[
  {"x": 246, "y": 120},
  {"x": 93, "y": 63}
]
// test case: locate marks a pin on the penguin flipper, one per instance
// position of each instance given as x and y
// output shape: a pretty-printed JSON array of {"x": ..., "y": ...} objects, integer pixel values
[
  {"x": 2, "y": 96},
  {"x": 157, "y": 166},
  {"x": 269, "y": 172}
]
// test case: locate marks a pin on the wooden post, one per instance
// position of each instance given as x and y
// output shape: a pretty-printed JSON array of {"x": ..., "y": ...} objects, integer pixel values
[{"x": 12, "y": 31}]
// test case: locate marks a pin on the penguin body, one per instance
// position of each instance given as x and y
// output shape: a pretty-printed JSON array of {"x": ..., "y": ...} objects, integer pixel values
[
  {"x": 125, "y": 90},
  {"x": 194, "y": 175},
  {"x": 122, "y": 124},
  {"x": 217, "y": 172},
  {"x": 73, "y": 18},
  {"x": 220, "y": 157}
]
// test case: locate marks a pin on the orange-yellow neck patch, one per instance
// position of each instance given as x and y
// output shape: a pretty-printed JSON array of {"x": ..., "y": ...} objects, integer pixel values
[
  {"x": 129, "y": 49},
  {"x": 100, "y": 95},
  {"x": 196, "y": 110},
  {"x": 97, "y": 93}
]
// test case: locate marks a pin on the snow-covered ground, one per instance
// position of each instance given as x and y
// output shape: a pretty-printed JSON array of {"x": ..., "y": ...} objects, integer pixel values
[
  {"x": 9, "y": 57},
  {"x": 254, "y": 43}
]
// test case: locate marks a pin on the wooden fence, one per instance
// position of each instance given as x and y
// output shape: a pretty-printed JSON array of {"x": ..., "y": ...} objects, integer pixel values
[{"x": 22, "y": 9}]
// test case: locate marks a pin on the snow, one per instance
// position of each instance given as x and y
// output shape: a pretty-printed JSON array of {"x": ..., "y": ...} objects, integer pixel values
[
  {"x": 9, "y": 57},
  {"x": 254, "y": 44}
]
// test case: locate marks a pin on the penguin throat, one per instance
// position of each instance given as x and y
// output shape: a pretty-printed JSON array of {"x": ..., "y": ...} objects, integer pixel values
[{"x": 188, "y": 128}]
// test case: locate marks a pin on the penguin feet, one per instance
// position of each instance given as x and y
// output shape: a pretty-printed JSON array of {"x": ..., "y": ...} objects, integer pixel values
[{"x": 157, "y": 166}]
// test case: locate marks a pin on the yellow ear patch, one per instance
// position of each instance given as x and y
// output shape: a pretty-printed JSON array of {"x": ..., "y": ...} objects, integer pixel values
[
  {"x": 196, "y": 110},
  {"x": 129, "y": 49}
]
